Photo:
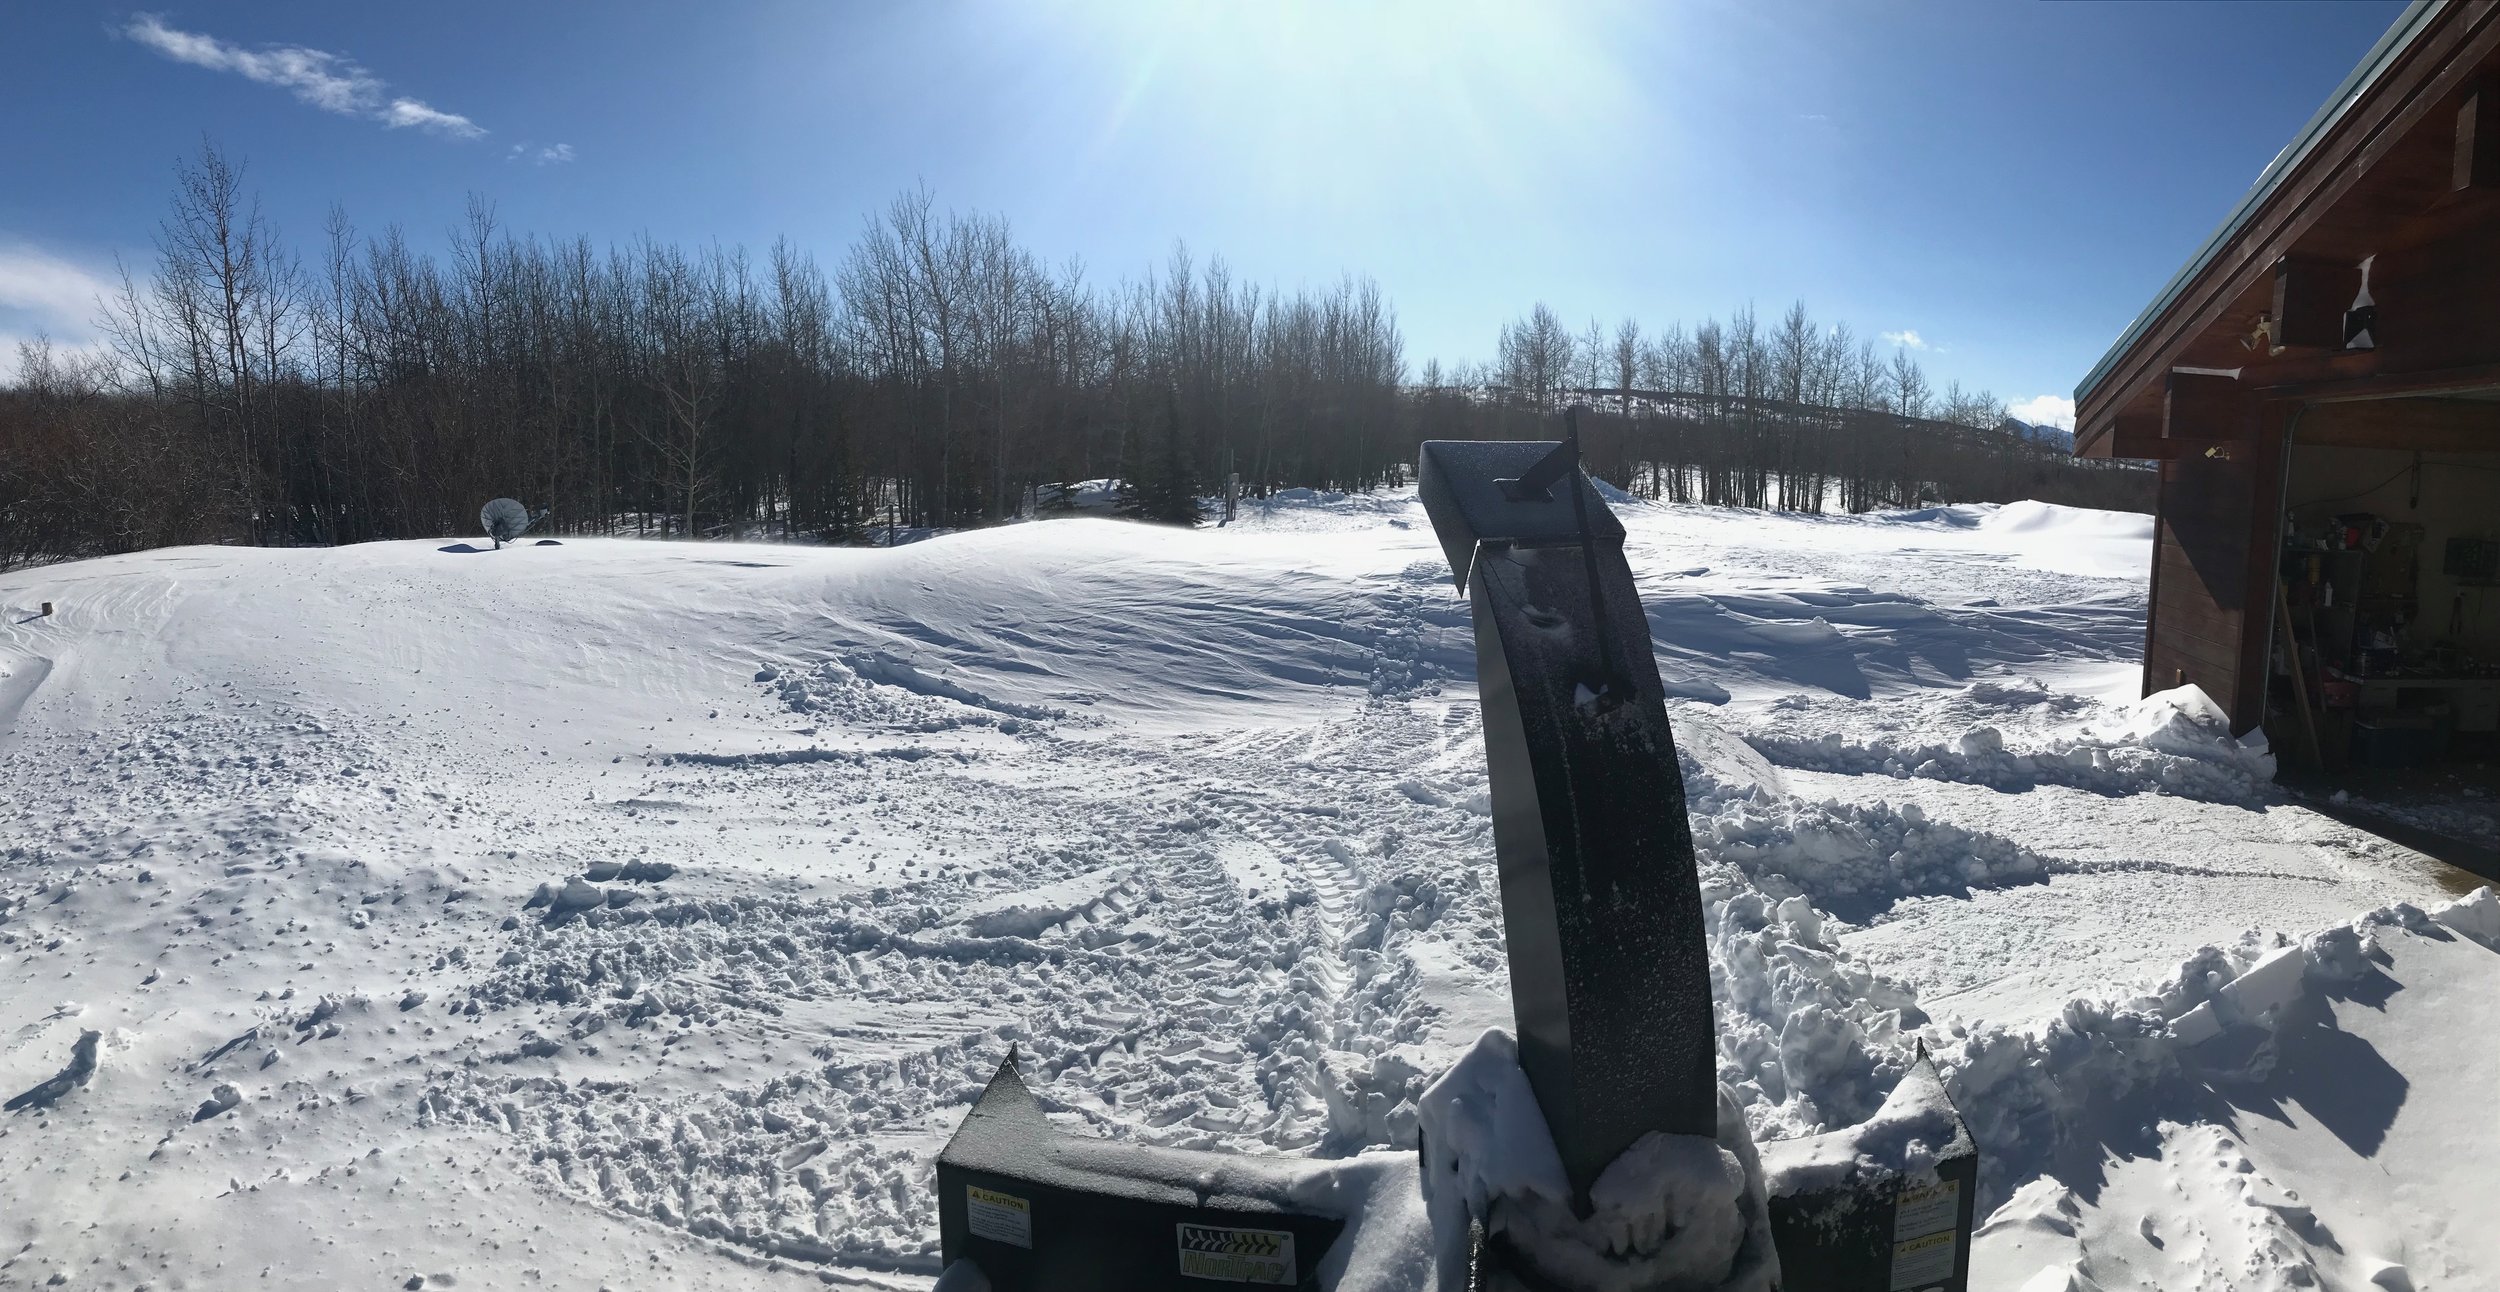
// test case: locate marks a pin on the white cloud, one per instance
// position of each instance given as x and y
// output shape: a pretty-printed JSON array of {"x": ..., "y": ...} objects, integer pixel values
[
  {"x": 2045, "y": 410},
  {"x": 48, "y": 289},
  {"x": 48, "y": 296},
  {"x": 408, "y": 112},
  {"x": 527, "y": 151},
  {"x": 1907, "y": 339},
  {"x": 330, "y": 82}
]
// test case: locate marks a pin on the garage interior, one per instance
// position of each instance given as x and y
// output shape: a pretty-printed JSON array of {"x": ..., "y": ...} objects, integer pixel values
[{"x": 2385, "y": 666}]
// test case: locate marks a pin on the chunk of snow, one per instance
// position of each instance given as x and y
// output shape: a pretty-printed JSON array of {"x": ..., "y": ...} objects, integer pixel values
[
  {"x": 2267, "y": 986},
  {"x": 2337, "y": 955},
  {"x": 75, "y": 1073},
  {"x": 2060, "y": 1278},
  {"x": 1671, "y": 1211},
  {"x": 578, "y": 894},
  {"x": 2476, "y": 915},
  {"x": 1031, "y": 912},
  {"x": 2197, "y": 1026}
]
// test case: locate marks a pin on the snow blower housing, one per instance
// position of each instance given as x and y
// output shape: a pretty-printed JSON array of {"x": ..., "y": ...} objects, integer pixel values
[{"x": 1610, "y": 995}]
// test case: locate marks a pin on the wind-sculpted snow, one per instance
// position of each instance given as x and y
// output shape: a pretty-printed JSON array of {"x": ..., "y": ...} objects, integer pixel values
[{"x": 665, "y": 942}]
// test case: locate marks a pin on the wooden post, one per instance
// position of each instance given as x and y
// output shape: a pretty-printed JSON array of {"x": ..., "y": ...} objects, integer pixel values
[
  {"x": 2475, "y": 162},
  {"x": 2300, "y": 679},
  {"x": 47, "y": 611}
]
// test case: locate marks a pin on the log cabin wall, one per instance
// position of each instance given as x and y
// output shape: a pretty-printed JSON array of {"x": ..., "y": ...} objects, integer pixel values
[
  {"x": 2200, "y": 582},
  {"x": 2212, "y": 587}
]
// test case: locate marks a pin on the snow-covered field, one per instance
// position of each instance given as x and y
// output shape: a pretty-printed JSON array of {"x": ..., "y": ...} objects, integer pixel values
[{"x": 646, "y": 915}]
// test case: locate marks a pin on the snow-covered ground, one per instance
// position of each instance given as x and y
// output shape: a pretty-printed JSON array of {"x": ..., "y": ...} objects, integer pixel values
[{"x": 647, "y": 914}]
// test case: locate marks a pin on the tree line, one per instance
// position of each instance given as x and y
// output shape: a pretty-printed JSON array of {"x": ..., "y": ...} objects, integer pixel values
[
  {"x": 938, "y": 375},
  {"x": 1794, "y": 416}
]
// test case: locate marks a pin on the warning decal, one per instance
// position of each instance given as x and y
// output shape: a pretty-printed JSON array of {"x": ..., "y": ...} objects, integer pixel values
[
  {"x": 1926, "y": 1232},
  {"x": 999, "y": 1217},
  {"x": 1918, "y": 1212},
  {"x": 1922, "y": 1261},
  {"x": 1236, "y": 1255}
]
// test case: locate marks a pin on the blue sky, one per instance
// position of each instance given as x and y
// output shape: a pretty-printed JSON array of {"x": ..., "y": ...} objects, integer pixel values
[{"x": 2000, "y": 185}]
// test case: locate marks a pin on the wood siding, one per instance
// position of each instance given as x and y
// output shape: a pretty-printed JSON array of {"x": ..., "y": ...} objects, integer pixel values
[{"x": 2212, "y": 586}]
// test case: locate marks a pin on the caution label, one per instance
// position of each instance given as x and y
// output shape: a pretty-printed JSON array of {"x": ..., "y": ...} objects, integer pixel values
[
  {"x": 1237, "y": 1255},
  {"x": 1922, "y": 1261},
  {"x": 1926, "y": 1228},
  {"x": 1916, "y": 1213},
  {"x": 1000, "y": 1217}
]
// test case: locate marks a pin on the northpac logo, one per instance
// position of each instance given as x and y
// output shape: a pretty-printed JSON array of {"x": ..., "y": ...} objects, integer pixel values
[{"x": 1236, "y": 1255}]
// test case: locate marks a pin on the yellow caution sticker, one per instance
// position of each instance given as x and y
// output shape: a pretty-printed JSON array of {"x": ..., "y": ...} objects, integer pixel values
[
  {"x": 999, "y": 1217},
  {"x": 1922, "y": 1261}
]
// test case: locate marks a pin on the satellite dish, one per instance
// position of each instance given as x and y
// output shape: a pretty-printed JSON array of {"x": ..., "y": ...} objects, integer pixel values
[{"x": 504, "y": 520}]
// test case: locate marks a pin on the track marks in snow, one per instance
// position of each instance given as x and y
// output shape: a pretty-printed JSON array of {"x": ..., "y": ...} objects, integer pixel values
[
  {"x": 1213, "y": 961},
  {"x": 873, "y": 690},
  {"x": 2190, "y": 1210}
]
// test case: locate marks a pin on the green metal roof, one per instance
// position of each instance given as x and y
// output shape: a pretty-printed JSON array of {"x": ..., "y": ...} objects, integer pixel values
[{"x": 2399, "y": 34}]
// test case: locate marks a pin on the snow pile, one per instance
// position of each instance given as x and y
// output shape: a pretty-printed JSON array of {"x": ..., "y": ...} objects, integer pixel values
[
  {"x": 1853, "y": 854},
  {"x": 2186, "y": 723},
  {"x": 1914, "y": 1129},
  {"x": 1672, "y": 1211},
  {"x": 2173, "y": 742},
  {"x": 1808, "y": 1038},
  {"x": 2476, "y": 915},
  {"x": 2030, "y": 1092},
  {"x": 1856, "y": 855},
  {"x": 2071, "y": 540}
]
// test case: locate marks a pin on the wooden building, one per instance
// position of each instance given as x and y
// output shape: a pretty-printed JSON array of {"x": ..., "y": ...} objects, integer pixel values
[{"x": 2320, "y": 387}]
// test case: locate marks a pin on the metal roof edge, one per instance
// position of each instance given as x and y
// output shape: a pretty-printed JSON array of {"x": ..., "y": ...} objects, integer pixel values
[{"x": 2399, "y": 34}]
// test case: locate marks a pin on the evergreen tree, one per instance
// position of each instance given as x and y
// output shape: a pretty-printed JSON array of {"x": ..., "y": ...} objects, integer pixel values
[
  {"x": 1176, "y": 500},
  {"x": 1058, "y": 498},
  {"x": 1129, "y": 497},
  {"x": 1160, "y": 482}
]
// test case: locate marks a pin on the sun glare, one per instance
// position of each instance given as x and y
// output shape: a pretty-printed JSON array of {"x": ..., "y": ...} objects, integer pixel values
[{"x": 1311, "y": 96}]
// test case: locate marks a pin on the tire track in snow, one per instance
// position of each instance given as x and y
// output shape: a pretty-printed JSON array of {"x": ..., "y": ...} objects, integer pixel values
[{"x": 1177, "y": 1007}]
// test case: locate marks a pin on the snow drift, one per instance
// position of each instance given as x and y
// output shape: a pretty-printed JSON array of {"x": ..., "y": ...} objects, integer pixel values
[{"x": 1196, "y": 820}]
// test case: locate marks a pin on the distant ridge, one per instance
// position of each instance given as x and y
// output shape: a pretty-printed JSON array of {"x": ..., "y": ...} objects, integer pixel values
[{"x": 2050, "y": 435}]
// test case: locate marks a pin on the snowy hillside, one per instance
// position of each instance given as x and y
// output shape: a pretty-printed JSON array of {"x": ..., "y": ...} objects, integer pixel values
[
  {"x": 647, "y": 914},
  {"x": 2056, "y": 437}
]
